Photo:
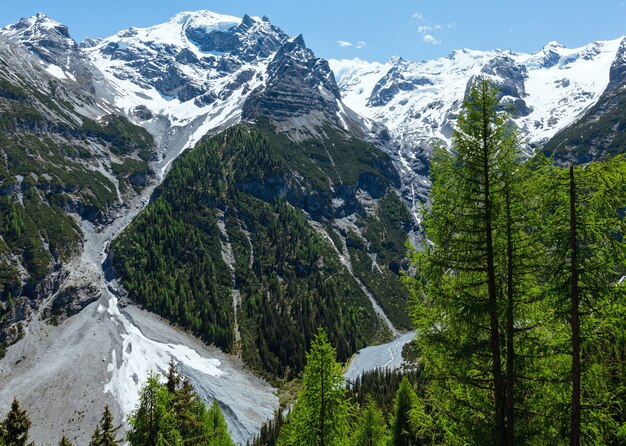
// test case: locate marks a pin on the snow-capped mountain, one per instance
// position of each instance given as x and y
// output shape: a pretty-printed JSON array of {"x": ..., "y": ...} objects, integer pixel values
[
  {"x": 192, "y": 76},
  {"x": 599, "y": 133},
  {"x": 197, "y": 73},
  {"x": 195, "y": 70},
  {"x": 208, "y": 71},
  {"x": 419, "y": 101}
]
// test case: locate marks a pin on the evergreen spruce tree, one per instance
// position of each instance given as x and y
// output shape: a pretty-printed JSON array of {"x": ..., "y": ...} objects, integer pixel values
[
  {"x": 15, "y": 426},
  {"x": 105, "y": 433},
  {"x": 64, "y": 441},
  {"x": 173, "y": 414},
  {"x": 320, "y": 415},
  {"x": 189, "y": 410},
  {"x": 153, "y": 421},
  {"x": 216, "y": 427},
  {"x": 173, "y": 377},
  {"x": 402, "y": 433}
]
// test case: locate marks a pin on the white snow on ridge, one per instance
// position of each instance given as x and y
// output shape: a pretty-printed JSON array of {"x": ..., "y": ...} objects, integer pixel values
[
  {"x": 561, "y": 84},
  {"x": 132, "y": 89},
  {"x": 560, "y": 94},
  {"x": 172, "y": 32},
  {"x": 418, "y": 114}
]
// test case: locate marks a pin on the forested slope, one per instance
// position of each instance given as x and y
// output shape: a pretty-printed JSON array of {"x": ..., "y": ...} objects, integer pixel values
[{"x": 253, "y": 241}]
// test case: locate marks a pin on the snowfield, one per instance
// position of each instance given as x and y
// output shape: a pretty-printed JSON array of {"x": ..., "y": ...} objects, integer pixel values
[{"x": 558, "y": 85}]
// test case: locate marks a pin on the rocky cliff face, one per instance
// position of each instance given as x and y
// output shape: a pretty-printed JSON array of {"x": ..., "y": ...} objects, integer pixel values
[
  {"x": 300, "y": 91},
  {"x": 52, "y": 44},
  {"x": 509, "y": 79},
  {"x": 65, "y": 158}
]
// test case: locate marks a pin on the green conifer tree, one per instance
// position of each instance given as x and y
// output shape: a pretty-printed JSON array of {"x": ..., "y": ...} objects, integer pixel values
[
  {"x": 216, "y": 429},
  {"x": 584, "y": 233},
  {"x": 371, "y": 428},
  {"x": 320, "y": 415},
  {"x": 64, "y": 441},
  {"x": 153, "y": 421},
  {"x": 105, "y": 433},
  {"x": 460, "y": 299},
  {"x": 402, "y": 432},
  {"x": 173, "y": 414},
  {"x": 15, "y": 426}
]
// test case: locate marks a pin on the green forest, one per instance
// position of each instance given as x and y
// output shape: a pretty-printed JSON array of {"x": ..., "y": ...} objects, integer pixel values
[
  {"x": 227, "y": 225},
  {"x": 518, "y": 300},
  {"x": 519, "y": 303}
]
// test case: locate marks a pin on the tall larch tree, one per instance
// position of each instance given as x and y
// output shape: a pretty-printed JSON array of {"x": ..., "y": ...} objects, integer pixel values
[
  {"x": 468, "y": 290},
  {"x": 584, "y": 232},
  {"x": 320, "y": 415}
]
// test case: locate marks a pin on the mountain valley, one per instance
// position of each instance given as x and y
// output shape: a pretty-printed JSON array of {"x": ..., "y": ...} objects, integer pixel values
[{"x": 210, "y": 190}]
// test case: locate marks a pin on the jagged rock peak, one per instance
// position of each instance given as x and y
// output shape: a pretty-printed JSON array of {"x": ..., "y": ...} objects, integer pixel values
[
  {"x": 35, "y": 28},
  {"x": 298, "y": 41},
  {"x": 52, "y": 43}
]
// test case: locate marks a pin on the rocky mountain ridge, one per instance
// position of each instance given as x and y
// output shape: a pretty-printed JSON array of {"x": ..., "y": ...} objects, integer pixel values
[
  {"x": 419, "y": 100},
  {"x": 599, "y": 132}
]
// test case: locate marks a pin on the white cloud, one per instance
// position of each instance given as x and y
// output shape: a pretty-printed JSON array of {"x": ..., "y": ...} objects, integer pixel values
[
  {"x": 360, "y": 44},
  {"x": 430, "y": 39},
  {"x": 426, "y": 28},
  {"x": 343, "y": 43}
]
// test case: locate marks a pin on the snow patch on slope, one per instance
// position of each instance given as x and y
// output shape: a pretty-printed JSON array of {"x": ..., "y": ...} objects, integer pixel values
[{"x": 141, "y": 356}]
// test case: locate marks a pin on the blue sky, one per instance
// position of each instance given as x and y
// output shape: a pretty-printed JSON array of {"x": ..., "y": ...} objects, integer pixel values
[{"x": 369, "y": 29}]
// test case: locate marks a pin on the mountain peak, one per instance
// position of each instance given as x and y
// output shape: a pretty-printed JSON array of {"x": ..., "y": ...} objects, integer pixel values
[
  {"x": 171, "y": 31},
  {"x": 204, "y": 19},
  {"x": 553, "y": 44},
  {"x": 298, "y": 40},
  {"x": 35, "y": 26},
  {"x": 43, "y": 36}
]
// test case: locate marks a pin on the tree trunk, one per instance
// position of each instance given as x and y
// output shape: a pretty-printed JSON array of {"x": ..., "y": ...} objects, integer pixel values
[
  {"x": 510, "y": 352},
  {"x": 575, "y": 316},
  {"x": 491, "y": 286}
]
